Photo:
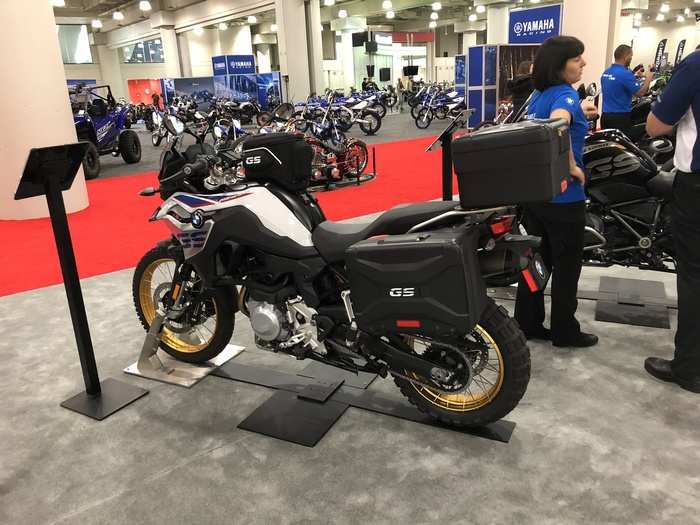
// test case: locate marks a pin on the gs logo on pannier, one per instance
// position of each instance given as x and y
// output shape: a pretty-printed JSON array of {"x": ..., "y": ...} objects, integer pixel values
[{"x": 251, "y": 161}]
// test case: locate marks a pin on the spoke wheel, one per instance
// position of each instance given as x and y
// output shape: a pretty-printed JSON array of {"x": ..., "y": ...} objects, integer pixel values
[
  {"x": 204, "y": 328},
  {"x": 486, "y": 390}
]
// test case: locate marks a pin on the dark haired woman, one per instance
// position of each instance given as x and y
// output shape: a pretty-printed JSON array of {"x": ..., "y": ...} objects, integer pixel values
[{"x": 559, "y": 64}]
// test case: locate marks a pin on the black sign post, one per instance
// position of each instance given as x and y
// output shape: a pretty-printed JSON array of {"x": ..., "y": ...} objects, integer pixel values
[
  {"x": 50, "y": 171},
  {"x": 444, "y": 141}
]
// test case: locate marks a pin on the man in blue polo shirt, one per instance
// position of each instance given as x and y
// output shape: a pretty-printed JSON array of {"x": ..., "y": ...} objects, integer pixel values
[
  {"x": 680, "y": 104},
  {"x": 619, "y": 86}
]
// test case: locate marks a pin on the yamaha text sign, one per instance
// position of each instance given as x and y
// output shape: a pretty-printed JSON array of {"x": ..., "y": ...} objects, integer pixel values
[
  {"x": 534, "y": 26},
  {"x": 219, "y": 65},
  {"x": 240, "y": 64}
]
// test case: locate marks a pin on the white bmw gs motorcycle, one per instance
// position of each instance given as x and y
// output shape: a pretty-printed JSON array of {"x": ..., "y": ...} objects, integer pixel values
[{"x": 403, "y": 294}]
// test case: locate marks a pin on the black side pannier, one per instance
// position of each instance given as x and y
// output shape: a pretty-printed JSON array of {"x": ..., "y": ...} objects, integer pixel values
[
  {"x": 428, "y": 283},
  {"x": 280, "y": 158},
  {"x": 512, "y": 164}
]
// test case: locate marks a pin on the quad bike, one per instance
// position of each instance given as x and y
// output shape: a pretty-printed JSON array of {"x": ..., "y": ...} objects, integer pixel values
[{"x": 103, "y": 123}]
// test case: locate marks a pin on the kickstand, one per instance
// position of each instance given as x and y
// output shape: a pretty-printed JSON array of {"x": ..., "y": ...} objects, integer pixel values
[{"x": 149, "y": 360}]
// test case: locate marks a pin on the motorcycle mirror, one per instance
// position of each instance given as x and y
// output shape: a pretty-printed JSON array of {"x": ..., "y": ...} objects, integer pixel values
[
  {"x": 148, "y": 192},
  {"x": 592, "y": 90}
]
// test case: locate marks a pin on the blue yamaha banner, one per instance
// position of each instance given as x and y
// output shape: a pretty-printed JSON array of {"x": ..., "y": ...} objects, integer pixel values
[
  {"x": 218, "y": 64},
  {"x": 240, "y": 64},
  {"x": 534, "y": 26}
]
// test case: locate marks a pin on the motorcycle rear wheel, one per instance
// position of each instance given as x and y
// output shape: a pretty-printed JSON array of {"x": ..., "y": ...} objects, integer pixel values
[
  {"x": 489, "y": 397},
  {"x": 203, "y": 341},
  {"x": 356, "y": 158}
]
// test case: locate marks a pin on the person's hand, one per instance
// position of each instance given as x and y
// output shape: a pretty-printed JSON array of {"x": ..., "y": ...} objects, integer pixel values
[
  {"x": 589, "y": 109},
  {"x": 649, "y": 74},
  {"x": 578, "y": 174}
]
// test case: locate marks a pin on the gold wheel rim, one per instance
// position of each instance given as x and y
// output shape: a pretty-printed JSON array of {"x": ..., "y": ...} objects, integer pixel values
[
  {"x": 481, "y": 391},
  {"x": 148, "y": 307}
]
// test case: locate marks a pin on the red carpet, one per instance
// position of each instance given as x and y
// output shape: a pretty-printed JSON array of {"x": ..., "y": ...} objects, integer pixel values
[{"x": 114, "y": 232}]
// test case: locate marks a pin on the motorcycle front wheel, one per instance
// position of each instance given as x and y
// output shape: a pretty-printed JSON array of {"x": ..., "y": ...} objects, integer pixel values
[
  {"x": 500, "y": 372},
  {"x": 415, "y": 110},
  {"x": 205, "y": 327},
  {"x": 424, "y": 118},
  {"x": 372, "y": 122}
]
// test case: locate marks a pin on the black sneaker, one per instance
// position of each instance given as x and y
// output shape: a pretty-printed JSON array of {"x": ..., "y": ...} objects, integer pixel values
[{"x": 581, "y": 340}]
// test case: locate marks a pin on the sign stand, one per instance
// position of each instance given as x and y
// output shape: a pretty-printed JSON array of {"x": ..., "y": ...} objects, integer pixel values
[
  {"x": 50, "y": 171},
  {"x": 444, "y": 141}
]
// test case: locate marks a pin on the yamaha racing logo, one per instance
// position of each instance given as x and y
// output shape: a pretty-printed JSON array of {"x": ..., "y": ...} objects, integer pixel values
[{"x": 535, "y": 26}]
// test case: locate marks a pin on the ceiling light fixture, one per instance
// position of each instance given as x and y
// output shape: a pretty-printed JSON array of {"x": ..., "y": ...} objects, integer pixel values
[
  {"x": 199, "y": 31},
  {"x": 535, "y": 1},
  {"x": 273, "y": 28},
  {"x": 434, "y": 15},
  {"x": 665, "y": 8},
  {"x": 436, "y": 6},
  {"x": 223, "y": 26},
  {"x": 432, "y": 24},
  {"x": 145, "y": 5},
  {"x": 387, "y": 5},
  {"x": 58, "y": 3},
  {"x": 118, "y": 15},
  {"x": 481, "y": 9},
  {"x": 252, "y": 19},
  {"x": 329, "y": 3},
  {"x": 390, "y": 14},
  {"x": 342, "y": 13},
  {"x": 96, "y": 23},
  {"x": 473, "y": 17},
  {"x": 660, "y": 17}
]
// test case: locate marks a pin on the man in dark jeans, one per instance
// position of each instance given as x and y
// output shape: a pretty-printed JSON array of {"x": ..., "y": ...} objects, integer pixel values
[
  {"x": 680, "y": 104},
  {"x": 619, "y": 85}
]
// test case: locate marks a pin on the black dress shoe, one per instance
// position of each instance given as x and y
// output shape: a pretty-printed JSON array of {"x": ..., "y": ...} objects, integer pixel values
[
  {"x": 579, "y": 341},
  {"x": 542, "y": 334},
  {"x": 661, "y": 369}
]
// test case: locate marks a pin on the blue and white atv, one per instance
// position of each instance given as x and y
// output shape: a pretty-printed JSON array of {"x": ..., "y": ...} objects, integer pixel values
[{"x": 103, "y": 123}]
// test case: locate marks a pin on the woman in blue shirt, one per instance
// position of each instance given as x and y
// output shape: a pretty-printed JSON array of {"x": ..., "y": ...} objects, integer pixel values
[{"x": 559, "y": 64}]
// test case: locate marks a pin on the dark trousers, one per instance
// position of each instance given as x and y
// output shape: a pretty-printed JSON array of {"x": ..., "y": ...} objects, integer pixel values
[
  {"x": 686, "y": 235},
  {"x": 621, "y": 121},
  {"x": 561, "y": 227}
]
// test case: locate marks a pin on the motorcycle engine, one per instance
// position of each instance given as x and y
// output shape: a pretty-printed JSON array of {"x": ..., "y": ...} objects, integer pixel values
[{"x": 268, "y": 321}]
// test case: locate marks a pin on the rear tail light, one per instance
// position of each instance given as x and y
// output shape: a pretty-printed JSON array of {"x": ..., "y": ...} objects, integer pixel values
[
  {"x": 530, "y": 280},
  {"x": 408, "y": 323},
  {"x": 503, "y": 225}
]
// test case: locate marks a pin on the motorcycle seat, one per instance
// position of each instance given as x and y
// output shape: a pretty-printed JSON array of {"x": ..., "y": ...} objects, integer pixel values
[
  {"x": 333, "y": 238},
  {"x": 662, "y": 184}
]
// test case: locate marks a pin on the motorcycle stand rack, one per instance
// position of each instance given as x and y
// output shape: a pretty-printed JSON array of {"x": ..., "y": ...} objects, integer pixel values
[
  {"x": 303, "y": 409},
  {"x": 168, "y": 369},
  {"x": 632, "y": 302}
]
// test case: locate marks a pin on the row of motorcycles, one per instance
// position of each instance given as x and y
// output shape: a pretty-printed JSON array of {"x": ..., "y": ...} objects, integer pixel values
[
  {"x": 435, "y": 101},
  {"x": 338, "y": 160}
]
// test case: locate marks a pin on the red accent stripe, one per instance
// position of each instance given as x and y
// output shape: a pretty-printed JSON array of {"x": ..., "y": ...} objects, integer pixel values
[
  {"x": 564, "y": 185},
  {"x": 408, "y": 323},
  {"x": 530, "y": 280}
]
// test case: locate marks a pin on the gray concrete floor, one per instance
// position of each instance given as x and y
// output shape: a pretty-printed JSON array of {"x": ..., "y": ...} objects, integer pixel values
[
  {"x": 395, "y": 126},
  {"x": 597, "y": 440}
]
